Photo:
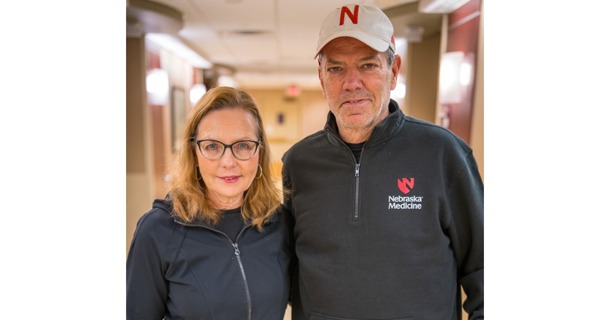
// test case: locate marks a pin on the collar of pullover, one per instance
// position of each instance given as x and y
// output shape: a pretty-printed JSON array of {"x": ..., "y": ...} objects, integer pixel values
[{"x": 382, "y": 131}]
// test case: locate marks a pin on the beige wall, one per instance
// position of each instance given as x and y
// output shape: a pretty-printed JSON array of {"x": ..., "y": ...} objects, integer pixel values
[
  {"x": 422, "y": 66},
  {"x": 477, "y": 141},
  {"x": 302, "y": 116},
  {"x": 149, "y": 146},
  {"x": 139, "y": 186}
]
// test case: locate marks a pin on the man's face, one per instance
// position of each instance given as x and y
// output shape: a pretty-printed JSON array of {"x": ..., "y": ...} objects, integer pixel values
[{"x": 356, "y": 81}]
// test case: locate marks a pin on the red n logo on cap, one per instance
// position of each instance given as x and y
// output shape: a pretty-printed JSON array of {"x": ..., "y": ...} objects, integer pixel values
[{"x": 352, "y": 16}]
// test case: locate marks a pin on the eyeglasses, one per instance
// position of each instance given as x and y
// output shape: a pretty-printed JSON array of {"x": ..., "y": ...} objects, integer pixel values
[{"x": 213, "y": 150}]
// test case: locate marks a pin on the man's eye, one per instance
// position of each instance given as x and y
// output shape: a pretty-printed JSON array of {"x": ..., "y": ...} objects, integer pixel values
[
  {"x": 368, "y": 66},
  {"x": 334, "y": 69}
]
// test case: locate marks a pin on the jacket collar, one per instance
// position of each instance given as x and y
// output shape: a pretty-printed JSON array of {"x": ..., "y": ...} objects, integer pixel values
[
  {"x": 382, "y": 131},
  {"x": 167, "y": 206}
]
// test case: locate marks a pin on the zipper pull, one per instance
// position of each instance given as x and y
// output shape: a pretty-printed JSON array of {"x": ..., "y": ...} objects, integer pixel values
[
  {"x": 357, "y": 170},
  {"x": 236, "y": 249}
]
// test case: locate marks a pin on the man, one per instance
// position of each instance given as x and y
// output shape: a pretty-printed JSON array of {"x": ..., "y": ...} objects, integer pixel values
[{"x": 388, "y": 209}]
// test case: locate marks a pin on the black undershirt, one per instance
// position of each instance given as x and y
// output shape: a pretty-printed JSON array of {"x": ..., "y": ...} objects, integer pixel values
[
  {"x": 231, "y": 223},
  {"x": 356, "y": 149}
]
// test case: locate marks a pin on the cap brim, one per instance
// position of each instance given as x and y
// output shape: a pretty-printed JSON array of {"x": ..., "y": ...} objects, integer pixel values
[{"x": 373, "y": 42}]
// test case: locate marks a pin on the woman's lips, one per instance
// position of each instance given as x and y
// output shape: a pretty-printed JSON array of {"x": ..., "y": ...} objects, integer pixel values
[{"x": 229, "y": 179}]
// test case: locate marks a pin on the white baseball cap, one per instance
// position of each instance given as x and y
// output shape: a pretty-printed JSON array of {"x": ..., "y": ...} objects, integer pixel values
[{"x": 365, "y": 23}]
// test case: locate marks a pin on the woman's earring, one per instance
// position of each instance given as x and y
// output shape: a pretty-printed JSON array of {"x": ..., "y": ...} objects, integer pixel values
[{"x": 260, "y": 174}]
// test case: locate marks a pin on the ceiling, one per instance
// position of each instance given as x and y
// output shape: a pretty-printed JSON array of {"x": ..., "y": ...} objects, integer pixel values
[{"x": 261, "y": 43}]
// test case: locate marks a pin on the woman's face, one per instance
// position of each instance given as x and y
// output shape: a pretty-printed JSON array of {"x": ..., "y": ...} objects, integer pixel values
[{"x": 227, "y": 178}]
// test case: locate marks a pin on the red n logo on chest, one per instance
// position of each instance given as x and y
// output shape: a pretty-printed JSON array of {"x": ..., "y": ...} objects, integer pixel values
[{"x": 405, "y": 185}]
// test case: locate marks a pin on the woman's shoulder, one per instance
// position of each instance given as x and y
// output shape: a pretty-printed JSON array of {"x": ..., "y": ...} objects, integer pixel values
[
  {"x": 156, "y": 233},
  {"x": 157, "y": 220},
  {"x": 282, "y": 216}
]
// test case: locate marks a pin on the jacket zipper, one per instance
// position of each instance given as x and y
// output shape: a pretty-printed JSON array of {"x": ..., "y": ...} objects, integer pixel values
[
  {"x": 357, "y": 196},
  {"x": 243, "y": 276},
  {"x": 356, "y": 174}
]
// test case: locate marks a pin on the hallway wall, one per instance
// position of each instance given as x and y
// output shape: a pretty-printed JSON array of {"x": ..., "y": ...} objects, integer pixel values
[{"x": 139, "y": 178}]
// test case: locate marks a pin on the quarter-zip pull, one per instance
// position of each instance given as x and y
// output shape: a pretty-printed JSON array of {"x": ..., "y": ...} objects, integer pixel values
[{"x": 357, "y": 194}]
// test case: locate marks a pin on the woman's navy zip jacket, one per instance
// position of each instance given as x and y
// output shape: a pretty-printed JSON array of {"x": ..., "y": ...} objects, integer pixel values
[{"x": 179, "y": 270}]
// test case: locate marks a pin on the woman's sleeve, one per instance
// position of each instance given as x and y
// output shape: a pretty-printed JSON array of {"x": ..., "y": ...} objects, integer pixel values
[{"x": 146, "y": 285}]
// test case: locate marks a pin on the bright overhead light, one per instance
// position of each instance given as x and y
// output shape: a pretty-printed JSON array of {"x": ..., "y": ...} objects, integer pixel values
[
  {"x": 456, "y": 74},
  {"x": 197, "y": 91},
  {"x": 177, "y": 47},
  {"x": 157, "y": 86}
]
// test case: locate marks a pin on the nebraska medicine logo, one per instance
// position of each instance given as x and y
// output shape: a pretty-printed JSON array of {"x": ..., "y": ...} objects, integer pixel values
[
  {"x": 401, "y": 201},
  {"x": 405, "y": 185}
]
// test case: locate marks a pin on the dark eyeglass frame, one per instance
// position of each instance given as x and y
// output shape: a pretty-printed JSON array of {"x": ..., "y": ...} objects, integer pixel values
[{"x": 230, "y": 146}]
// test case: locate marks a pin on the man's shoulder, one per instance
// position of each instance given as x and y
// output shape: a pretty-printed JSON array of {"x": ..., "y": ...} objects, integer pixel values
[
  {"x": 426, "y": 130},
  {"x": 423, "y": 124},
  {"x": 310, "y": 141}
]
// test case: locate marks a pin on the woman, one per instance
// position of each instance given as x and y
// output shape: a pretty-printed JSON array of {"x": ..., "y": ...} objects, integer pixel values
[{"x": 217, "y": 247}]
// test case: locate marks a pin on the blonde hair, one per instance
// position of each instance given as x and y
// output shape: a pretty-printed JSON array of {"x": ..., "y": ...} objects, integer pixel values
[{"x": 188, "y": 193}]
